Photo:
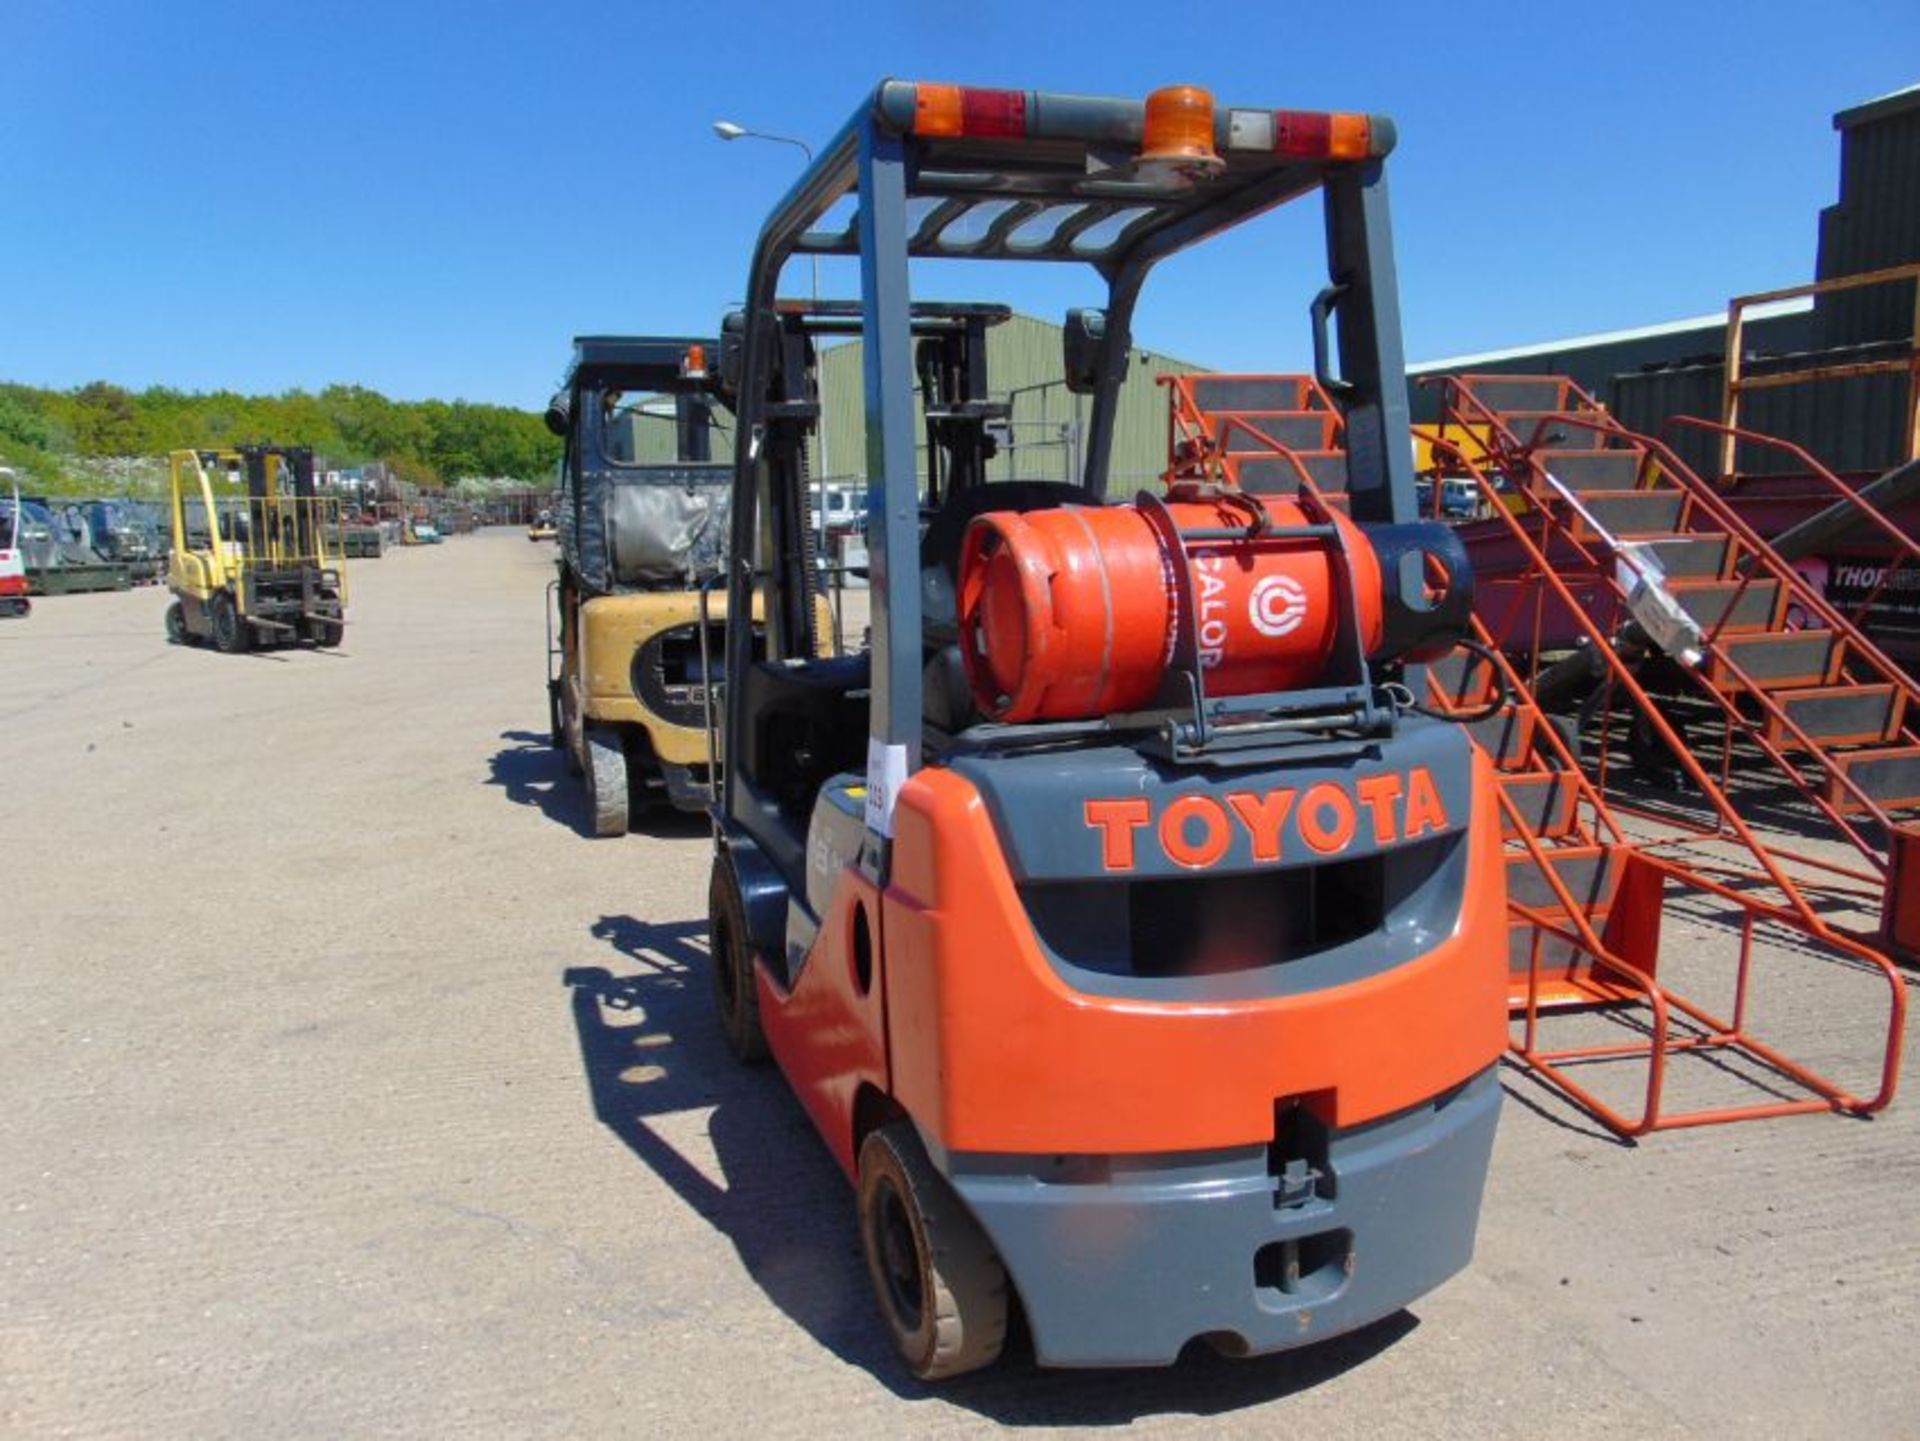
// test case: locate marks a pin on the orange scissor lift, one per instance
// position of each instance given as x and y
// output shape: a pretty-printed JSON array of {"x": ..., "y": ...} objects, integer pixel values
[{"x": 1588, "y": 887}]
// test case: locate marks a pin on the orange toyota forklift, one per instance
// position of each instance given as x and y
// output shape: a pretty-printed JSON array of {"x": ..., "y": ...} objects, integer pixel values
[{"x": 1133, "y": 938}]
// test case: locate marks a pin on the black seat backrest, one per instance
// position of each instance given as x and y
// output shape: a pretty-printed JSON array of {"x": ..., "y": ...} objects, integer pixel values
[{"x": 809, "y": 723}]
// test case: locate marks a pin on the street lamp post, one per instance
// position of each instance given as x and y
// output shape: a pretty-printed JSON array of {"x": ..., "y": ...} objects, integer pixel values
[{"x": 728, "y": 130}]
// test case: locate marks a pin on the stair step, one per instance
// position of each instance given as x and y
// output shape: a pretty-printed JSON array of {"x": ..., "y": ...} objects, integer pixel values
[
  {"x": 1723, "y": 604},
  {"x": 1217, "y": 393},
  {"x": 1296, "y": 430},
  {"x": 1555, "y": 435},
  {"x": 1507, "y": 738},
  {"x": 1274, "y": 475},
  {"x": 1890, "y": 776},
  {"x": 1591, "y": 875},
  {"x": 1519, "y": 392},
  {"x": 1593, "y": 469},
  {"x": 1838, "y": 715},
  {"x": 1461, "y": 679},
  {"x": 1773, "y": 659},
  {"x": 1545, "y": 799},
  {"x": 1689, "y": 557},
  {"x": 1628, "y": 512}
]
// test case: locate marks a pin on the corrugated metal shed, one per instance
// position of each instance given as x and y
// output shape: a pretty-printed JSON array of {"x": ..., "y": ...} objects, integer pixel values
[
  {"x": 1048, "y": 423},
  {"x": 645, "y": 435},
  {"x": 1593, "y": 361},
  {"x": 1875, "y": 223},
  {"x": 1648, "y": 375},
  {"x": 1857, "y": 424}
]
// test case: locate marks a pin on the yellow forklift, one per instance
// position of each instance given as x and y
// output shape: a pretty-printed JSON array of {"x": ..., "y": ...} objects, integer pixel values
[
  {"x": 642, "y": 524},
  {"x": 250, "y": 563}
]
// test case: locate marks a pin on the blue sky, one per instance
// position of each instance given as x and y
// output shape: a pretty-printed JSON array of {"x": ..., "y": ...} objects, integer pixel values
[{"x": 430, "y": 199}]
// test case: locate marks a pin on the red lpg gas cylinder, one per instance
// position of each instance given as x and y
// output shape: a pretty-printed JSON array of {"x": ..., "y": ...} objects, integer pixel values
[{"x": 1072, "y": 612}]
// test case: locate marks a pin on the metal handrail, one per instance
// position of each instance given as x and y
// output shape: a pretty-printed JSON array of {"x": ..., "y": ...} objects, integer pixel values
[
  {"x": 1797, "y": 914},
  {"x": 1623, "y": 675},
  {"x": 1815, "y": 470},
  {"x": 1737, "y": 382},
  {"x": 1794, "y": 586}
]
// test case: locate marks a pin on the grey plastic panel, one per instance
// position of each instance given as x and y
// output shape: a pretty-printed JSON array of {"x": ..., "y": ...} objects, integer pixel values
[
  {"x": 1038, "y": 801},
  {"x": 1156, "y": 1251}
]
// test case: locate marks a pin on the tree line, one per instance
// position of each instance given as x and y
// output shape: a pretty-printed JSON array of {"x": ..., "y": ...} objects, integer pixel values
[{"x": 50, "y": 436}]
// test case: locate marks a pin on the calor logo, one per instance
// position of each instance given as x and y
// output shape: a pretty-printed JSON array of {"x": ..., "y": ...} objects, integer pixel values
[{"x": 1277, "y": 605}]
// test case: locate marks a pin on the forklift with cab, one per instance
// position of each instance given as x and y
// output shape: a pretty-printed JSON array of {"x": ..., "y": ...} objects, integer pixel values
[
  {"x": 251, "y": 564},
  {"x": 642, "y": 523},
  {"x": 1135, "y": 943}
]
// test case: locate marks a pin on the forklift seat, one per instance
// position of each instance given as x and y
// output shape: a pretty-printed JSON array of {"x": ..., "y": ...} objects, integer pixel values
[{"x": 809, "y": 724}]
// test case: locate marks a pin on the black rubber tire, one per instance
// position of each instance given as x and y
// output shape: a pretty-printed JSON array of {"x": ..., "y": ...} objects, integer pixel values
[
  {"x": 608, "y": 792},
  {"x": 177, "y": 632},
  {"x": 735, "y": 996},
  {"x": 556, "y": 728},
  {"x": 229, "y": 630},
  {"x": 327, "y": 634},
  {"x": 939, "y": 1284}
]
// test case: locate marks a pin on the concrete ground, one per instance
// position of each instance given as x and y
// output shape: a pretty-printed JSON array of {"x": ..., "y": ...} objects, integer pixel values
[{"x": 351, "y": 1089}]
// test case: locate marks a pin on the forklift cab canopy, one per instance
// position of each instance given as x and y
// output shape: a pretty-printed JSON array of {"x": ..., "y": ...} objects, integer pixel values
[
  {"x": 628, "y": 519},
  {"x": 942, "y": 172}
]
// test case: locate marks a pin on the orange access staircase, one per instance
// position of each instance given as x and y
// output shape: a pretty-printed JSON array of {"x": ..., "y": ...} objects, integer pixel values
[
  {"x": 1261, "y": 432},
  {"x": 1586, "y": 896},
  {"x": 1803, "y": 694}
]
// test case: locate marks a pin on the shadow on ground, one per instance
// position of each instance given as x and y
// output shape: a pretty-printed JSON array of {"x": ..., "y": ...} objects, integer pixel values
[
  {"x": 651, "y": 1047},
  {"x": 533, "y": 773}
]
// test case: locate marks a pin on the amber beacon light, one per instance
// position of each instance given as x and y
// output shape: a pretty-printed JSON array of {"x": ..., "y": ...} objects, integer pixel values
[{"x": 1177, "y": 135}]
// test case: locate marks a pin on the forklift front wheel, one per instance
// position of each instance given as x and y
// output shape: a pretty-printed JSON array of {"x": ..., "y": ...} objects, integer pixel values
[
  {"x": 229, "y": 629},
  {"x": 940, "y": 1285},
  {"x": 732, "y": 959},
  {"x": 607, "y": 781},
  {"x": 177, "y": 631},
  {"x": 326, "y": 631}
]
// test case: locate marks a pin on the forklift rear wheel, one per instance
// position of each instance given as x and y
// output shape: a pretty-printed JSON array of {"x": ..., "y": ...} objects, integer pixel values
[
  {"x": 940, "y": 1285},
  {"x": 177, "y": 631},
  {"x": 607, "y": 781},
  {"x": 229, "y": 630},
  {"x": 732, "y": 960}
]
